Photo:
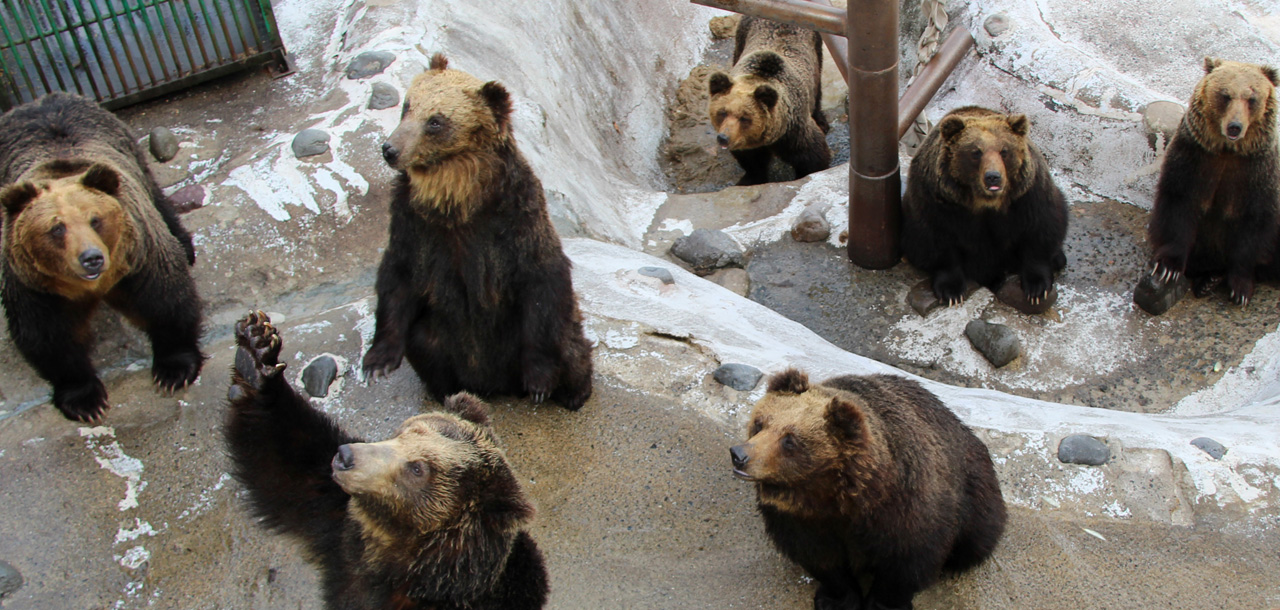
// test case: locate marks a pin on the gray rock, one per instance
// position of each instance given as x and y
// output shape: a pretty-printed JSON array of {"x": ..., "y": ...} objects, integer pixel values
[
  {"x": 187, "y": 198},
  {"x": 1156, "y": 297},
  {"x": 741, "y": 377},
  {"x": 310, "y": 142},
  {"x": 998, "y": 24},
  {"x": 1210, "y": 446},
  {"x": 707, "y": 250},
  {"x": 10, "y": 580},
  {"x": 369, "y": 63},
  {"x": 383, "y": 96},
  {"x": 1011, "y": 294},
  {"x": 1161, "y": 119},
  {"x": 661, "y": 273},
  {"x": 1083, "y": 449},
  {"x": 811, "y": 226},
  {"x": 164, "y": 145},
  {"x": 996, "y": 342},
  {"x": 318, "y": 375}
]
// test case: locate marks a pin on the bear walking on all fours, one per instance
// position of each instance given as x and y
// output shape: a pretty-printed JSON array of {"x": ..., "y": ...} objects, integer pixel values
[
  {"x": 874, "y": 477},
  {"x": 84, "y": 222},
  {"x": 770, "y": 103},
  {"x": 1217, "y": 205},
  {"x": 473, "y": 288},
  {"x": 980, "y": 204},
  {"x": 432, "y": 518}
]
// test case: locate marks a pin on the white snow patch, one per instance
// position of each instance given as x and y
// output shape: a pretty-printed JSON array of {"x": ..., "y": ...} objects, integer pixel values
[
  {"x": 134, "y": 557},
  {"x": 627, "y": 339},
  {"x": 111, "y": 457},
  {"x": 1255, "y": 380},
  {"x": 141, "y": 528},
  {"x": 828, "y": 187},
  {"x": 205, "y": 501},
  {"x": 682, "y": 225}
]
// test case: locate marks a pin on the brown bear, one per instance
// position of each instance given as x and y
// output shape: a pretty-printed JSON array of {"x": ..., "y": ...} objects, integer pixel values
[
  {"x": 473, "y": 288},
  {"x": 85, "y": 222},
  {"x": 869, "y": 477},
  {"x": 980, "y": 204},
  {"x": 432, "y": 518},
  {"x": 1217, "y": 204},
  {"x": 770, "y": 103}
]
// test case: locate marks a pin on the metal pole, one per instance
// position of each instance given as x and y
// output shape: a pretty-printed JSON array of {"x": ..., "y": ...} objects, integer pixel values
[
  {"x": 838, "y": 47},
  {"x": 875, "y": 214},
  {"x": 931, "y": 77},
  {"x": 807, "y": 15}
]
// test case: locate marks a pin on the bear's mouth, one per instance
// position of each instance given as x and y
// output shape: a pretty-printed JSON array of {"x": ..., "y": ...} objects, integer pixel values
[
  {"x": 89, "y": 277},
  {"x": 742, "y": 475}
]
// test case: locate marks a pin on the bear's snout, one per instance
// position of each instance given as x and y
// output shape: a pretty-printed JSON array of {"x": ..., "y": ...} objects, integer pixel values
[
  {"x": 740, "y": 457},
  {"x": 723, "y": 140},
  {"x": 390, "y": 153},
  {"x": 92, "y": 261},
  {"x": 345, "y": 458},
  {"x": 1234, "y": 130},
  {"x": 993, "y": 180}
]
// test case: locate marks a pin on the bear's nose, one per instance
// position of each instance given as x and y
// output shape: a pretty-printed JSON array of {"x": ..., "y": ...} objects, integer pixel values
[
  {"x": 390, "y": 153},
  {"x": 739, "y": 455},
  {"x": 1233, "y": 129},
  {"x": 992, "y": 180},
  {"x": 345, "y": 460},
  {"x": 92, "y": 260},
  {"x": 722, "y": 139}
]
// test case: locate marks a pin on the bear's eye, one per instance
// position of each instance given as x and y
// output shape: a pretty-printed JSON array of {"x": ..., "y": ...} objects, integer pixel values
[
  {"x": 1004, "y": 154},
  {"x": 416, "y": 469},
  {"x": 976, "y": 155},
  {"x": 58, "y": 231},
  {"x": 1253, "y": 103},
  {"x": 1225, "y": 98},
  {"x": 96, "y": 223},
  {"x": 756, "y": 427},
  {"x": 722, "y": 115},
  {"x": 745, "y": 121},
  {"x": 789, "y": 443},
  {"x": 435, "y": 124}
]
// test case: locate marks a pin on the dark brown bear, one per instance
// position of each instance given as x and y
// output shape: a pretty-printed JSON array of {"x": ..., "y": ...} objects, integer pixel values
[
  {"x": 431, "y": 519},
  {"x": 771, "y": 102},
  {"x": 1217, "y": 206},
  {"x": 869, "y": 477},
  {"x": 473, "y": 288},
  {"x": 980, "y": 205},
  {"x": 85, "y": 222}
]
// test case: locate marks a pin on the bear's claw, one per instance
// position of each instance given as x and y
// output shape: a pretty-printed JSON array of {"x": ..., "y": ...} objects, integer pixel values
[
  {"x": 257, "y": 359},
  {"x": 176, "y": 372},
  {"x": 86, "y": 404}
]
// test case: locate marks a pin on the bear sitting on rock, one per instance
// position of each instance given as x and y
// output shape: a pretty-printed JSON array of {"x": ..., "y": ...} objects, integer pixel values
[{"x": 431, "y": 519}]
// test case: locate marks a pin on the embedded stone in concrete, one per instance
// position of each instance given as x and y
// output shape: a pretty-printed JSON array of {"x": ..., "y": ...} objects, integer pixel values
[
  {"x": 661, "y": 273},
  {"x": 164, "y": 145},
  {"x": 187, "y": 198},
  {"x": 741, "y": 377},
  {"x": 997, "y": 24},
  {"x": 1011, "y": 294},
  {"x": 383, "y": 96},
  {"x": 318, "y": 375},
  {"x": 1210, "y": 446},
  {"x": 1083, "y": 449},
  {"x": 369, "y": 63},
  {"x": 1161, "y": 118},
  {"x": 922, "y": 299},
  {"x": 706, "y": 250},
  {"x": 310, "y": 142},
  {"x": 10, "y": 580},
  {"x": 812, "y": 225},
  {"x": 996, "y": 342},
  {"x": 1156, "y": 297},
  {"x": 724, "y": 26}
]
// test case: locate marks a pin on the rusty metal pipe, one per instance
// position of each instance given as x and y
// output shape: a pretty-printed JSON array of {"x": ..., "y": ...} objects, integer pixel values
[
  {"x": 931, "y": 77},
  {"x": 807, "y": 15},
  {"x": 837, "y": 45},
  {"x": 875, "y": 212}
]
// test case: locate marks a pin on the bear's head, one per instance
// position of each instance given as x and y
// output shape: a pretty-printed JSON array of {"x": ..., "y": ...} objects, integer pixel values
[
  {"x": 66, "y": 231},
  {"x": 987, "y": 154},
  {"x": 799, "y": 442},
  {"x": 441, "y": 470},
  {"x": 1236, "y": 105},
  {"x": 747, "y": 111}
]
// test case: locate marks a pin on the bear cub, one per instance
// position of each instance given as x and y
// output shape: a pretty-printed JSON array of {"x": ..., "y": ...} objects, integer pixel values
[
  {"x": 869, "y": 477},
  {"x": 473, "y": 288},
  {"x": 1217, "y": 204},
  {"x": 980, "y": 204},
  {"x": 85, "y": 222},
  {"x": 432, "y": 518},
  {"x": 770, "y": 103}
]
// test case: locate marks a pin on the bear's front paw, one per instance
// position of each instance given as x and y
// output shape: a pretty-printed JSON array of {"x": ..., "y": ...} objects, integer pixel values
[
  {"x": 381, "y": 359},
  {"x": 84, "y": 403},
  {"x": 1035, "y": 287},
  {"x": 949, "y": 288},
  {"x": 258, "y": 356},
  {"x": 1241, "y": 289},
  {"x": 538, "y": 382},
  {"x": 176, "y": 371}
]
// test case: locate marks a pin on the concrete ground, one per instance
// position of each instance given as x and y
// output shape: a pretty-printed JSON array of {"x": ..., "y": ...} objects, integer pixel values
[{"x": 637, "y": 508}]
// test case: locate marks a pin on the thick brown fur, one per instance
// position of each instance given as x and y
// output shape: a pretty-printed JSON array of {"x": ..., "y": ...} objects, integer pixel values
[
  {"x": 1217, "y": 204},
  {"x": 85, "y": 222},
  {"x": 474, "y": 288},
  {"x": 981, "y": 204},
  {"x": 431, "y": 519},
  {"x": 770, "y": 103},
  {"x": 873, "y": 477}
]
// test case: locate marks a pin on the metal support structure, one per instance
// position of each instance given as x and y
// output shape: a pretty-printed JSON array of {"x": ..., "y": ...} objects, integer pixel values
[
  {"x": 808, "y": 15},
  {"x": 931, "y": 77},
  {"x": 837, "y": 45}
]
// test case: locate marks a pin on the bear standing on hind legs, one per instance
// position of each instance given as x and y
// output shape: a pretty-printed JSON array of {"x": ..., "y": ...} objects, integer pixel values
[
  {"x": 85, "y": 222},
  {"x": 1217, "y": 206},
  {"x": 474, "y": 288}
]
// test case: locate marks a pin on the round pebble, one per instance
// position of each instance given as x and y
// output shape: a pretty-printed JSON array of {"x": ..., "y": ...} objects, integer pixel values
[
  {"x": 1210, "y": 446},
  {"x": 10, "y": 580},
  {"x": 1083, "y": 449},
  {"x": 318, "y": 375},
  {"x": 369, "y": 63},
  {"x": 163, "y": 144},
  {"x": 1156, "y": 297},
  {"x": 707, "y": 250},
  {"x": 741, "y": 377},
  {"x": 383, "y": 96},
  {"x": 661, "y": 273},
  {"x": 998, "y": 24},
  {"x": 812, "y": 226},
  {"x": 188, "y": 198},
  {"x": 310, "y": 142},
  {"x": 996, "y": 342}
]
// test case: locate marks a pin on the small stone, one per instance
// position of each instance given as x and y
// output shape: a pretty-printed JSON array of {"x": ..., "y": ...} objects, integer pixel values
[
  {"x": 1161, "y": 119},
  {"x": 811, "y": 226},
  {"x": 996, "y": 342},
  {"x": 1210, "y": 446},
  {"x": 1156, "y": 297},
  {"x": 707, "y": 250},
  {"x": 735, "y": 280},
  {"x": 1011, "y": 294},
  {"x": 187, "y": 198},
  {"x": 318, "y": 375},
  {"x": 310, "y": 142},
  {"x": 661, "y": 273},
  {"x": 164, "y": 145},
  {"x": 922, "y": 299},
  {"x": 741, "y": 377},
  {"x": 383, "y": 96},
  {"x": 369, "y": 63},
  {"x": 1083, "y": 449},
  {"x": 10, "y": 580},
  {"x": 998, "y": 24},
  {"x": 725, "y": 26}
]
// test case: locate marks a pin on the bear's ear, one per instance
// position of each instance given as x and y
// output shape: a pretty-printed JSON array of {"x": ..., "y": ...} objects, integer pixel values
[
  {"x": 766, "y": 64},
  {"x": 1019, "y": 124},
  {"x": 951, "y": 127},
  {"x": 101, "y": 177},
  {"x": 468, "y": 407},
  {"x": 718, "y": 83},
  {"x": 499, "y": 102},
  {"x": 845, "y": 420},
  {"x": 767, "y": 96},
  {"x": 15, "y": 198},
  {"x": 1271, "y": 75},
  {"x": 1211, "y": 63},
  {"x": 439, "y": 62},
  {"x": 790, "y": 381}
]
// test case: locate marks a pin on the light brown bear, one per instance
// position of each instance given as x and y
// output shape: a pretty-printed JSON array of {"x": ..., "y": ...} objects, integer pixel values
[
  {"x": 770, "y": 103},
  {"x": 85, "y": 222},
  {"x": 1217, "y": 204},
  {"x": 869, "y": 477}
]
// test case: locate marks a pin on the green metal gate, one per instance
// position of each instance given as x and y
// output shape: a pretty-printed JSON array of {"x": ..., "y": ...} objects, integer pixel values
[{"x": 120, "y": 52}]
